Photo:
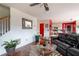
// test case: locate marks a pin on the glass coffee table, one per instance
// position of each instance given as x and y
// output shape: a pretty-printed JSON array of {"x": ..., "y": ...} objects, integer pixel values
[
  {"x": 44, "y": 51},
  {"x": 49, "y": 51}
]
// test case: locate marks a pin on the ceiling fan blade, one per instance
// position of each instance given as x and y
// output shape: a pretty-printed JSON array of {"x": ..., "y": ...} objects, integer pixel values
[
  {"x": 46, "y": 6},
  {"x": 34, "y": 4}
]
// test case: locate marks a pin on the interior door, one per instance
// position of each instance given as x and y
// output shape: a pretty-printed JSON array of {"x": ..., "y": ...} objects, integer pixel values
[{"x": 42, "y": 29}]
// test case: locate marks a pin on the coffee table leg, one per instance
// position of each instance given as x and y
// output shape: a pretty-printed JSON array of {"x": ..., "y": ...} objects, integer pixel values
[{"x": 43, "y": 53}]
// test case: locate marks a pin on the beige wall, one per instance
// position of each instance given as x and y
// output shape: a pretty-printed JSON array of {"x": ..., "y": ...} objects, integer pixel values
[{"x": 4, "y": 11}]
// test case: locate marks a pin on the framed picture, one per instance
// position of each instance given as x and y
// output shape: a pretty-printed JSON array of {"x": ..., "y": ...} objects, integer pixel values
[{"x": 26, "y": 24}]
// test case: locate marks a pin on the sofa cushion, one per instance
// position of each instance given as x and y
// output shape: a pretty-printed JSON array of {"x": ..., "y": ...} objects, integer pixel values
[
  {"x": 61, "y": 44},
  {"x": 73, "y": 51}
]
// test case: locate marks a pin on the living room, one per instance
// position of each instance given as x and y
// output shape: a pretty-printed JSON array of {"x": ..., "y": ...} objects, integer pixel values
[{"x": 49, "y": 23}]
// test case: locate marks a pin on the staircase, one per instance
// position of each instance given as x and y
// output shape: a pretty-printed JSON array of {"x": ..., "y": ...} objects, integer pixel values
[{"x": 4, "y": 25}]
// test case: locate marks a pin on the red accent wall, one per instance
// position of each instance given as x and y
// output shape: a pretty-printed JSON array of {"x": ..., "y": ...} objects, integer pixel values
[
  {"x": 50, "y": 30},
  {"x": 50, "y": 26},
  {"x": 42, "y": 29},
  {"x": 73, "y": 24}
]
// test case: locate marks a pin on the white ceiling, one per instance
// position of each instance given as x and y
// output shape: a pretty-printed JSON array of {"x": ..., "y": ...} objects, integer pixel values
[{"x": 58, "y": 12}]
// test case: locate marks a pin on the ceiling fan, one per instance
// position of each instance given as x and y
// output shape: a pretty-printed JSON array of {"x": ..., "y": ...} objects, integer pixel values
[{"x": 43, "y": 4}]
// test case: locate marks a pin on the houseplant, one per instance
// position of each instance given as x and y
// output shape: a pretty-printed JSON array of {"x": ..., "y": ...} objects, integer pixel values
[{"x": 10, "y": 46}]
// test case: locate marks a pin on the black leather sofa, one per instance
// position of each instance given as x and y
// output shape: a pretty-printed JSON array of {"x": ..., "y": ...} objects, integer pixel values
[
  {"x": 67, "y": 44},
  {"x": 73, "y": 51}
]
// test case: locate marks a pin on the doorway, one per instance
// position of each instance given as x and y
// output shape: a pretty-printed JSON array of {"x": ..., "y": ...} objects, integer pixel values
[
  {"x": 69, "y": 28},
  {"x": 42, "y": 29}
]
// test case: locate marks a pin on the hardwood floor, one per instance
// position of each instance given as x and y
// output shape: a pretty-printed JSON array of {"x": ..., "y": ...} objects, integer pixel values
[
  {"x": 25, "y": 51},
  {"x": 22, "y": 51}
]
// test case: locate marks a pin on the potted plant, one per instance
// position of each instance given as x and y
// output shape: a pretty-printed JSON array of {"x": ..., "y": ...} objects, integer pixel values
[{"x": 10, "y": 46}]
